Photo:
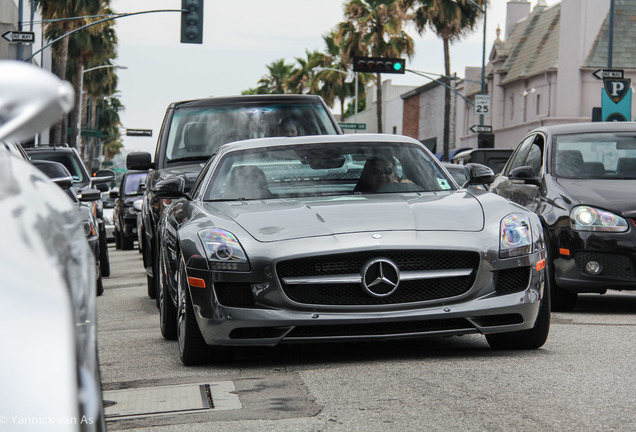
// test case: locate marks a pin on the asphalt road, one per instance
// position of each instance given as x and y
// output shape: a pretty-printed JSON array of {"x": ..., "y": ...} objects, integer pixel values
[{"x": 581, "y": 380}]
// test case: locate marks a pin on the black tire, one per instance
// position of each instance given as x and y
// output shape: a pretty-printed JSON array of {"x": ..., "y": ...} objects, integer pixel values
[
  {"x": 126, "y": 243},
  {"x": 192, "y": 347},
  {"x": 536, "y": 336},
  {"x": 152, "y": 292},
  {"x": 167, "y": 311},
  {"x": 562, "y": 300},
  {"x": 117, "y": 240},
  {"x": 104, "y": 259},
  {"x": 100, "y": 286}
]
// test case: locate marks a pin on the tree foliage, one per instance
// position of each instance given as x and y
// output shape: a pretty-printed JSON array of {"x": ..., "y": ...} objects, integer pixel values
[{"x": 93, "y": 46}]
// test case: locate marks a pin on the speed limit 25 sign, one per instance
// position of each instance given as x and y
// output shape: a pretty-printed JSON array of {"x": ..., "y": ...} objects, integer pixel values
[{"x": 482, "y": 104}]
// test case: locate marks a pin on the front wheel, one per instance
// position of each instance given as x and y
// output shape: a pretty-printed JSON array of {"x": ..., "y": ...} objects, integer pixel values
[
  {"x": 167, "y": 310},
  {"x": 192, "y": 347},
  {"x": 536, "y": 336}
]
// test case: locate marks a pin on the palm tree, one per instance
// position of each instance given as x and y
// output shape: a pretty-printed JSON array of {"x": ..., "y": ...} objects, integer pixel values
[
  {"x": 302, "y": 79},
  {"x": 450, "y": 20},
  {"x": 94, "y": 46},
  {"x": 331, "y": 84},
  {"x": 275, "y": 82},
  {"x": 375, "y": 28},
  {"x": 60, "y": 9}
]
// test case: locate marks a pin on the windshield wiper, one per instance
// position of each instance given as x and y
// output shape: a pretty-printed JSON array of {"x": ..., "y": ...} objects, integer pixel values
[{"x": 190, "y": 158}]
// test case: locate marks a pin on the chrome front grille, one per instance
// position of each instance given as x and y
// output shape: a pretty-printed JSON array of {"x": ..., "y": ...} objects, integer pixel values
[{"x": 337, "y": 279}]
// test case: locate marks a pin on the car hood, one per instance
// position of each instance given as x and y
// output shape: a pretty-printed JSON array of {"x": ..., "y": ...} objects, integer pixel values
[
  {"x": 188, "y": 172},
  {"x": 613, "y": 195},
  {"x": 276, "y": 220}
]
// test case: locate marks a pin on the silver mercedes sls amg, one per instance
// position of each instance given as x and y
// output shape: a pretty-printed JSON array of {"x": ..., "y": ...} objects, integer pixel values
[{"x": 344, "y": 238}]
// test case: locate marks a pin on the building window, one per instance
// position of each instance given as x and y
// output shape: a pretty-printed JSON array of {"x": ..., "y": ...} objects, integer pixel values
[
  {"x": 394, "y": 130},
  {"x": 538, "y": 104}
]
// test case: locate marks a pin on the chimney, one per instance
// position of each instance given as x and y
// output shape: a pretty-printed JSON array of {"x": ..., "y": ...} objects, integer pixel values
[{"x": 515, "y": 12}]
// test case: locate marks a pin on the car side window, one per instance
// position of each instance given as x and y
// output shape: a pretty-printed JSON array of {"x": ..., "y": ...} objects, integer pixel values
[
  {"x": 202, "y": 174},
  {"x": 520, "y": 155},
  {"x": 535, "y": 155}
]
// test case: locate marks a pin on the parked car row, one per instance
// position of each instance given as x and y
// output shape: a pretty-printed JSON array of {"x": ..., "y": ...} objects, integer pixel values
[{"x": 48, "y": 272}]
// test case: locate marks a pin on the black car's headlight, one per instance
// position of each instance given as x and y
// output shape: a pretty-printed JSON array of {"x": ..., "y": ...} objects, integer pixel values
[
  {"x": 223, "y": 250},
  {"x": 515, "y": 236},
  {"x": 89, "y": 228},
  {"x": 585, "y": 218}
]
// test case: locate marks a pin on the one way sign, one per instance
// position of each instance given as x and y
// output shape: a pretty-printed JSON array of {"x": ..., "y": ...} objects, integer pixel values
[{"x": 15, "y": 36}]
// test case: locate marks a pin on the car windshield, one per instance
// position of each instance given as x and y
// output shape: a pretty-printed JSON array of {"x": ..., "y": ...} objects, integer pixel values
[
  {"x": 199, "y": 132},
  {"x": 325, "y": 169},
  {"x": 72, "y": 164},
  {"x": 597, "y": 155},
  {"x": 133, "y": 184}
]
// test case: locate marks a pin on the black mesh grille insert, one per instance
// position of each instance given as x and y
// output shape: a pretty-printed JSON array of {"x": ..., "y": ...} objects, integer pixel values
[
  {"x": 498, "y": 320},
  {"x": 612, "y": 265},
  {"x": 234, "y": 294},
  {"x": 353, "y": 293},
  {"x": 390, "y": 328},
  {"x": 512, "y": 280}
]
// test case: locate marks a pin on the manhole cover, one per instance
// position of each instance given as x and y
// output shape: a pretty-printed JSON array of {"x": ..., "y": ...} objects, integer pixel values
[{"x": 175, "y": 399}]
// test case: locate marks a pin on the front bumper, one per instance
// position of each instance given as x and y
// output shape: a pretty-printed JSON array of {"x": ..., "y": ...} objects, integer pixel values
[
  {"x": 481, "y": 310},
  {"x": 615, "y": 254}
]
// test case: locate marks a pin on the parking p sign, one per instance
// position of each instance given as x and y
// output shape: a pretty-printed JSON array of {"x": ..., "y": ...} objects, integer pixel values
[{"x": 482, "y": 104}]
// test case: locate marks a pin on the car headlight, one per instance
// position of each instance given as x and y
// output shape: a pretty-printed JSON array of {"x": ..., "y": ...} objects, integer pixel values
[
  {"x": 223, "y": 250},
  {"x": 89, "y": 228},
  {"x": 515, "y": 236},
  {"x": 585, "y": 218}
]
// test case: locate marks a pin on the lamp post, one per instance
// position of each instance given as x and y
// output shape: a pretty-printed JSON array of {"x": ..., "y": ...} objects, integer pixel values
[
  {"x": 81, "y": 96},
  {"x": 483, "y": 54},
  {"x": 347, "y": 80}
]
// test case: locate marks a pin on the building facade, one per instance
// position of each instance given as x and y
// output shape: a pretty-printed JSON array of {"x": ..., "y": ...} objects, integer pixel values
[{"x": 540, "y": 74}]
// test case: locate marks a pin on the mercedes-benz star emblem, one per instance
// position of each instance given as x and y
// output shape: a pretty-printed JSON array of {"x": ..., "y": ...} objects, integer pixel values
[{"x": 380, "y": 277}]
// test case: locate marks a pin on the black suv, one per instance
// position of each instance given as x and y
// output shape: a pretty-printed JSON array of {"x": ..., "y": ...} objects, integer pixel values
[
  {"x": 192, "y": 131},
  {"x": 130, "y": 190},
  {"x": 70, "y": 158}
]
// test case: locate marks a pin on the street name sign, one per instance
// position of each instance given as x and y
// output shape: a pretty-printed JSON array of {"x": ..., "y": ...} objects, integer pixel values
[
  {"x": 16, "y": 36},
  {"x": 601, "y": 74},
  {"x": 139, "y": 132},
  {"x": 482, "y": 104},
  {"x": 481, "y": 128},
  {"x": 91, "y": 133},
  {"x": 354, "y": 126}
]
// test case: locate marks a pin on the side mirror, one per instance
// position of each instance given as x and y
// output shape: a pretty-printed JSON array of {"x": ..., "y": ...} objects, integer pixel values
[
  {"x": 32, "y": 99},
  {"x": 90, "y": 195},
  {"x": 524, "y": 174},
  {"x": 114, "y": 194},
  {"x": 102, "y": 177},
  {"x": 56, "y": 172},
  {"x": 139, "y": 161},
  {"x": 173, "y": 188},
  {"x": 137, "y": 205},
  {"x": 478, "y": 174}
]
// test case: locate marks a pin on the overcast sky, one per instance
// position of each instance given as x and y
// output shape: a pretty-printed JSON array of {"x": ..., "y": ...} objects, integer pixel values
[{"x": 239, "y": 39}]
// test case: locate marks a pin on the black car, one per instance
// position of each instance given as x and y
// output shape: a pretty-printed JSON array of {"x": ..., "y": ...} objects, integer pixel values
[
  {"x": 130, "y": 190},
  {"x": 193, "y": 130},
  {"x": 580, "y": 179},
  {"x": 82, "y": 180},
  {"x": 60, "y": 176}
]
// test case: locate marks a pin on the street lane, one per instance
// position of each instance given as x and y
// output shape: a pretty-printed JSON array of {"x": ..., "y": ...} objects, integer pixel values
[{"x": 581, "y": 380}]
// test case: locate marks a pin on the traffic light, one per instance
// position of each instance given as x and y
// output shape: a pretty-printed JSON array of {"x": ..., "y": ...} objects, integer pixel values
[
  {"x": 192, "y": 21},
  {"x": 486, "y": 140},
  {"x": 378, "y": 64}
]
